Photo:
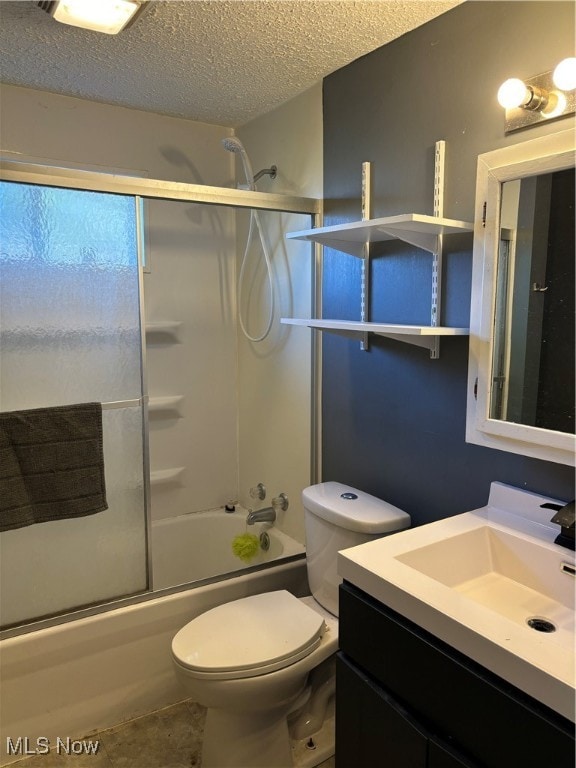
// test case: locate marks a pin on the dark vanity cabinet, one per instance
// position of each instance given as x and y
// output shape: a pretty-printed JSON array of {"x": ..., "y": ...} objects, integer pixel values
[
  {"x": 405, "y": 699},
  {"x": 373, "y": 729}
]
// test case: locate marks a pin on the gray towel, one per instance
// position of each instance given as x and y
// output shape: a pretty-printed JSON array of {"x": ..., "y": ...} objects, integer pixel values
[{"x": 51, "y": 464}]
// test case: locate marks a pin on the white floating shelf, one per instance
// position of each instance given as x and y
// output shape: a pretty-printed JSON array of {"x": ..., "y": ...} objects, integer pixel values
[
  {"x": 164, "y": 406},
  {"x": 165, "y": 476},
  {"x": 417, "y": 229},
  {"x": 421, "y": 335}
]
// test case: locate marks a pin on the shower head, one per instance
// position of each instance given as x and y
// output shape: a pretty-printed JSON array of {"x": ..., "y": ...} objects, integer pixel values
[{"x": 232, "y": 144}]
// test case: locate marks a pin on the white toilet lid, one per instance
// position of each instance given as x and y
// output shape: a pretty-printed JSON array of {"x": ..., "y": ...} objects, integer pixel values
[{"x": 249, "y": 637}]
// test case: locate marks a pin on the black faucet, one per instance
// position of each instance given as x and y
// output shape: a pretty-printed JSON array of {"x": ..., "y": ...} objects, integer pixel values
[{"x": 564, "y": 517}]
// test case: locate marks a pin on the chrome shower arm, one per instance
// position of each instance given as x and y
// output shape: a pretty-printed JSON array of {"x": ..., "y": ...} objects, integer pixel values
[{"x": 266, "y": 172}]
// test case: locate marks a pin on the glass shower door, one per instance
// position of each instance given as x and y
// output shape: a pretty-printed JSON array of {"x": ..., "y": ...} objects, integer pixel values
[{"x": 70, "y": 332}]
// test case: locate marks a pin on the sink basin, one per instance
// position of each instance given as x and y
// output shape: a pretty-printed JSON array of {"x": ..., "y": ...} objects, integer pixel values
[
  {"x": 491, "y": 583},
  {"x": 517, "y": 577}
]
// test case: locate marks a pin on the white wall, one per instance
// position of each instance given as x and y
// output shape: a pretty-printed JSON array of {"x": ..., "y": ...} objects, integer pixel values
[
  {"x": 62, "y": 129},
  {"x": 274, "y": 376}
]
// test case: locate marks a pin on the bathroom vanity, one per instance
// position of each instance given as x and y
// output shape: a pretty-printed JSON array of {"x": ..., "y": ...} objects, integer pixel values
[
  {"x": 405, "y": 698},
  {"x": 437, "y": 664}
]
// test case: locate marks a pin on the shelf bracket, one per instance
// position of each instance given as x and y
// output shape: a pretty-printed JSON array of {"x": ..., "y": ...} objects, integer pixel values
[
  {"x": 428, "y": 342},
  {"x": 436, "y": 302},
  {"x": 365, "y": 268}
]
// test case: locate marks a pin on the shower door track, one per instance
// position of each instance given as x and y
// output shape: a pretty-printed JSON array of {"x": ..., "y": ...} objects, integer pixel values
[{"x": 29, "y": 173}]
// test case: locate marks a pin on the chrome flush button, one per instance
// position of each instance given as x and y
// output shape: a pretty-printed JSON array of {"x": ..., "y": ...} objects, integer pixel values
[{"x": 348, "y": 496}]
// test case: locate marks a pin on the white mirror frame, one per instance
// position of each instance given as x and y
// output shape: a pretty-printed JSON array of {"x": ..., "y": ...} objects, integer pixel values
[{"x": 543, "y": 155}]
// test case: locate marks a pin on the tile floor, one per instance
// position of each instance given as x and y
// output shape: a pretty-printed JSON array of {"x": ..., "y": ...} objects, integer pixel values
[{"x": 168, "y": 738}]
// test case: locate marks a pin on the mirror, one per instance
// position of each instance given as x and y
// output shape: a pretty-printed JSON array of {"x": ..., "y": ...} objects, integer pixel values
[
  {"x": 533, "y": 349},
  {"x": 521, "y": 366}
]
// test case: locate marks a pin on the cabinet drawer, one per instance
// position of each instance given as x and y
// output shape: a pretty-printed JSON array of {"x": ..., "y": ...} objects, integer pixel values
[
  {"x": 371, "y": 726},
  {"x": 454, "y": 697},
  {"x": 372, "y": 729}
]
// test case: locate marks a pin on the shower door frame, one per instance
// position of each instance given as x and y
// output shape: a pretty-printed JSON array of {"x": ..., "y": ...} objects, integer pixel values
[{"x": 156, "y": 189}]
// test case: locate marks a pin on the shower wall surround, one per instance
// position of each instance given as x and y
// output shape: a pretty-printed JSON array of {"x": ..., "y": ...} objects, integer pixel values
[
  {"x": 190, "y": 249},
  {"x": 393, "y": 419},
  {"x": 274, "y": 442}
]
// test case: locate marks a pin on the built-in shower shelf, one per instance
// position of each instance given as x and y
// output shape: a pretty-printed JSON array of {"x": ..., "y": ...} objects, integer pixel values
[
  {"x": 161, "y": 477},
  {"x": 163, "y": 332},
  {"x": 165, "y": 407},
  {"x": 417, "y": 229},
  {"x": 420, "y": 335}
]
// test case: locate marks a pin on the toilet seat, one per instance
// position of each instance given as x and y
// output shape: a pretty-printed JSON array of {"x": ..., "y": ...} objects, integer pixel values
[{"x": 248, "y": 637}]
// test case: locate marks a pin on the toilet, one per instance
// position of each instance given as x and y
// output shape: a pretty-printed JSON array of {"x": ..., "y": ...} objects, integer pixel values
[{"x": 263, "y": 665}]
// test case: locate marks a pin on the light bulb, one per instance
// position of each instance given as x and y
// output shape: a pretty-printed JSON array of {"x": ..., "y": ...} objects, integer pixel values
[
  {"x": 555, "y": 106},
  {"x": 564, "y": 76},
  {"x": 513, "y": 93}
]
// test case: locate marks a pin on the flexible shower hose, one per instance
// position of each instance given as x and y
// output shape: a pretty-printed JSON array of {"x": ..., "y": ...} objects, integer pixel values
[{"x": 255, "y": 218}]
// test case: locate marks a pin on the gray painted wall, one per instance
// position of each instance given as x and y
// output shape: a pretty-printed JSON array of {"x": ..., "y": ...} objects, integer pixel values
[{"x": 393, "y": 419}]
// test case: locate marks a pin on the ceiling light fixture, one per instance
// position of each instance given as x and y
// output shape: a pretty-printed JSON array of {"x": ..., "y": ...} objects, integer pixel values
[
  {"x": 107, "y": 16},
  {"x": 543, "y": 97}
]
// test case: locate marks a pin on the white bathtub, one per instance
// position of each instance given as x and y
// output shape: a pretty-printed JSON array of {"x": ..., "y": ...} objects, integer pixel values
[
  {"x": 90, "y": 674},
  {"x": 198, "y": 546}
]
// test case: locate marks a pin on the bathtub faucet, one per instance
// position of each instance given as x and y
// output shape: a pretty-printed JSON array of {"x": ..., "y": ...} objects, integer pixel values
[{"x": 266, "y": 515}]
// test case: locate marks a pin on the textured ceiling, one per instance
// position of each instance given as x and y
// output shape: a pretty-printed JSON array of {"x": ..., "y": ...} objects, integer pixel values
[{"x": 223, "y": 62}]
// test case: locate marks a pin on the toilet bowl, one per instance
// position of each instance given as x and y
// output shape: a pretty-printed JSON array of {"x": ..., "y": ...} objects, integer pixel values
[
  {"x": 254, "y": 662},
  {"x": 248, "y": 662}
]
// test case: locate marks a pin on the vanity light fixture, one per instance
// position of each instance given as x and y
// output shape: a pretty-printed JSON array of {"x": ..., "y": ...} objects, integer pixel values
[
  {"x": 544, "y": 97},
  {"x": 108, "y": 16}
]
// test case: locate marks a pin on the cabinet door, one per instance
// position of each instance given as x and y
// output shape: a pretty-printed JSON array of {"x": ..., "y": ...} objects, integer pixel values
[{"x": 372, "y": 729}]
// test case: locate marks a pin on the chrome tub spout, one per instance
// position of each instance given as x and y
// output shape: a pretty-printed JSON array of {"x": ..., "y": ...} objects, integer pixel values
[{"x": 267, "y": 515}]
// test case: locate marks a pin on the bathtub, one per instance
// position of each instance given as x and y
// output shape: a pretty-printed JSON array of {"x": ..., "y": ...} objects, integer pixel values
[
  {"x": 98, "y": 671},
  {"x": 198, "y": 546}
]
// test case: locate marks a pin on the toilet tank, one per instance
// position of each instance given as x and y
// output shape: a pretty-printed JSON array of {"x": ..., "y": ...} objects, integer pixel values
[{"x": 337, "y": 517}]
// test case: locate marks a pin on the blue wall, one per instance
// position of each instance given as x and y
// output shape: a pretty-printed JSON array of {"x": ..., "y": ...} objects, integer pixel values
[{"x": 393, "y": 419}]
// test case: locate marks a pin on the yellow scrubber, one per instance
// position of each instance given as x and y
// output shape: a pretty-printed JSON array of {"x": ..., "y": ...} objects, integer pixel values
[{"x": 245, "y": 546}]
